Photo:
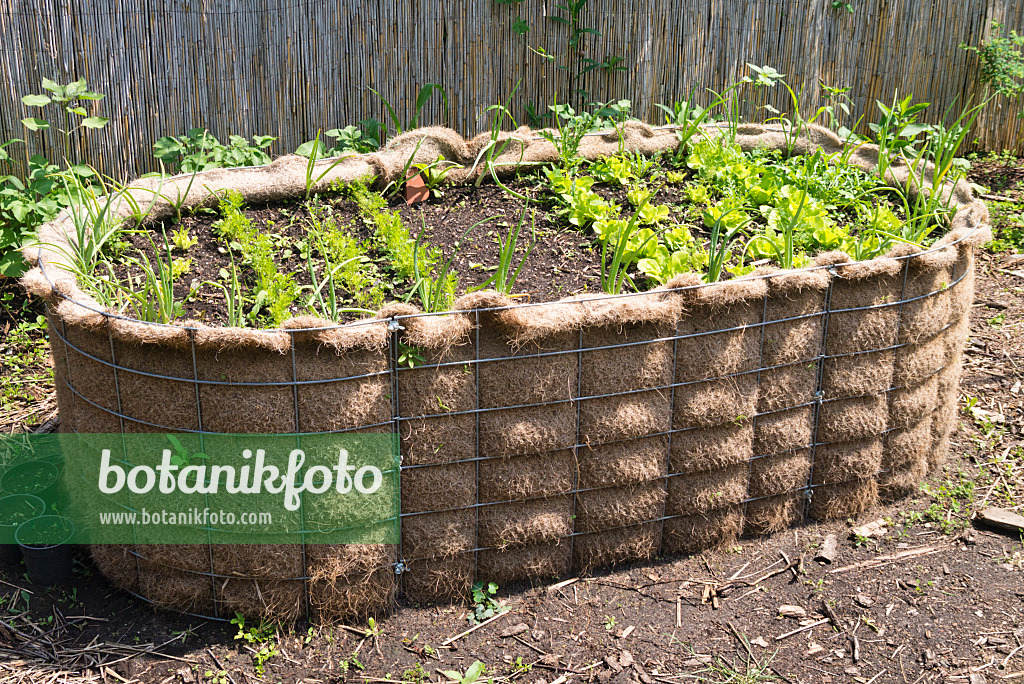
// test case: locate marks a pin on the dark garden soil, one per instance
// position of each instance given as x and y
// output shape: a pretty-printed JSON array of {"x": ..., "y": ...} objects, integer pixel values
[
  {"x": 563, "y": 261},
  {"x": 939, "y": 601}
]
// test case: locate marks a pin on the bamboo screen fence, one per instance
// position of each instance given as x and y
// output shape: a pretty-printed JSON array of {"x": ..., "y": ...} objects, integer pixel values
[{"x": 289, "y": 67}]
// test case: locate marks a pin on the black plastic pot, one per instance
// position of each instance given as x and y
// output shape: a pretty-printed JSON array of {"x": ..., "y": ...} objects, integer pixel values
[
  {"x": 44, "y": 547},
  {"x": 14, "y": 510},
  {"x": 39, "y": 478}
]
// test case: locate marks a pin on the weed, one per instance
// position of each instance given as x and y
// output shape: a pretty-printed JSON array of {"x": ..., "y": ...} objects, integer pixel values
[
  {"x": 608, "y": 622},
  {"x": 750, "y": 671},
  {"x": 416, "y": 674},
  {"x": 485, "y": 605},
  {"x": 473, "y": 673},
  {"x": 259, "y": 638},
  {"x": 410, "y": 357},
  {"x": 216, "y": 677},
  {"x": 198, "y": 150},
  {"x": 519, "y": 667}
]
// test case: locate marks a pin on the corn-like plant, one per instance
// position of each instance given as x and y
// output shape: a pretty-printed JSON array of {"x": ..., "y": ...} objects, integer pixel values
[
  {"x": 426, "y": 92},
  {"x": 571, "y": 127}
]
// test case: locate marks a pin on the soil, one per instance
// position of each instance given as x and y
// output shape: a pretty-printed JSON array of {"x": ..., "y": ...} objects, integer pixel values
[
  {"x": 939, "y": 601},
  {"x": 563, "y": 261}
]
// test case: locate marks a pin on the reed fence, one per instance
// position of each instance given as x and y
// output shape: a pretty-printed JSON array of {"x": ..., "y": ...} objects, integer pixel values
[{"x": 289, "y": 67}]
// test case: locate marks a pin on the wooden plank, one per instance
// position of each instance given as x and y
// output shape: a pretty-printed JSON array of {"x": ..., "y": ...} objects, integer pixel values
[{"x": 1002, "y": 520}]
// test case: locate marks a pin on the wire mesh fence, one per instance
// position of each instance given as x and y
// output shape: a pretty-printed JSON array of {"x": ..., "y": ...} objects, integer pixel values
[{"x": 539, "y": 439}]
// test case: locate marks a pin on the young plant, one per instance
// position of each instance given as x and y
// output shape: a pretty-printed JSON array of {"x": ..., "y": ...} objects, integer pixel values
[
  {"x": 626, "y": 246},
  {"x": 312, "y": 181},
  {"x": 504, "y": 278},
  {"x": 932, "y": 167},
  {"x": 490, "y": 152},
  {"x": 570, "y": 15},
  {"x": 485, "y": 605},
  {"x": 183, "y": 240},
  {"x": 721, "y": 240},
  {"x": 347, "y": 139},
  {"x": 199, "y": 150},
  {"x": 69, "y": 97},
  {"x": 571, "y": 127},
  {"x": 434, "y": 173},
  {"x": 27, "y": 202},
  {"x": 426, "y": 92}
]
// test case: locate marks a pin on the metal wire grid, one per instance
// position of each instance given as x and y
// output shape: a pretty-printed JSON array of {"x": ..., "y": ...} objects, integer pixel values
[{"x": 395, "y": 328}]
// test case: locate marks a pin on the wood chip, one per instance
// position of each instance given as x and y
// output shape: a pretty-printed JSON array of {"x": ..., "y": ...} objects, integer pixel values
[
  {"x": 515, "y": 630},
  {"x": 1000, "y": 519},
  {"x": 789, "y": 611},
  {"x": 828, "y": 550},
  {"x": 870, "y": 530}
]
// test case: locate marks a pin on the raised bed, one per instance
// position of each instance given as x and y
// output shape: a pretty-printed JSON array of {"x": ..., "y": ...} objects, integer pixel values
[{"x": 542, "y": 439}]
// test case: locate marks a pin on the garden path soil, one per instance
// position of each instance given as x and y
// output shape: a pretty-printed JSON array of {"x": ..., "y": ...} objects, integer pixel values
[{"x": 951, "y": 609}]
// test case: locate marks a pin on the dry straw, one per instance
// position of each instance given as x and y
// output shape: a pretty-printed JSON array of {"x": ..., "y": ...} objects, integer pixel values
[{"x": 539, "y": 439}]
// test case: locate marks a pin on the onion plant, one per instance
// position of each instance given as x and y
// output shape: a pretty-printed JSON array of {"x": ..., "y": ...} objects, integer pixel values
[
  {"x": 721, "y": 240},
  {"x": 614, "y": 273},
  {"x": 152, "y": 299},
  {"x": 311, "y": 164},
  {"x": 93, "y": 213},
  {"x": 324, "y": 304},
  {"x": 504, "y": 278},
  {"x": 234, "y": 295},
  {"x": 493, "y": 149},
  {"x": 436, "y": 291}
]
